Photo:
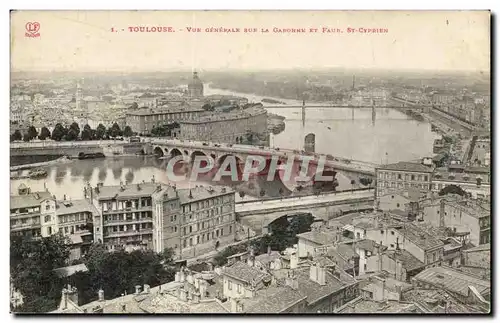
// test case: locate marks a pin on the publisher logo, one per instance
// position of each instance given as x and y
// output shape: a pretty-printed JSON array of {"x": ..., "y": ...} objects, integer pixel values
[{"x": 32, "y": 29}]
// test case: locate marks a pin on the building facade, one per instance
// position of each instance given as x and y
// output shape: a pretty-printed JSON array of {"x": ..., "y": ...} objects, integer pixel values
[
  {"x": 157, "y": 216},
  {"x": 402, "y": 175},
  {"x": 232, "y": 127},
  {"x": 144, "y": 120}
]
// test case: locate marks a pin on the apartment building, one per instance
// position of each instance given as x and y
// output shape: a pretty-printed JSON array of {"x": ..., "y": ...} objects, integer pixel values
[
  {"x": 156, "y": 216},
  {"x": 402, "y": 175}
]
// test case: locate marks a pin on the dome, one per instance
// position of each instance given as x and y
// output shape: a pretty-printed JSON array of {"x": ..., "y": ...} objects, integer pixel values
[{"x": 195, "y": 82}]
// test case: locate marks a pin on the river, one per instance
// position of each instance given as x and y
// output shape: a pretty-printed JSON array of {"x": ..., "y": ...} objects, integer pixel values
[{"x": 391, "y": 137}]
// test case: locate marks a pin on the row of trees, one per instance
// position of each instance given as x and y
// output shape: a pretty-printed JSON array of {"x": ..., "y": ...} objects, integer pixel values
[
  {"x": 164, "y": 130},
  {"x": 73, "y": 133},
  {"x": 33, "y": 262}
]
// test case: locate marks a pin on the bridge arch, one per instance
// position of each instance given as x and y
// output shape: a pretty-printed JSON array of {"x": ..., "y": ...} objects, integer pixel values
[
  {"x": 166, "y": 151},
  {"x": 174, "y": 152},
  {"x": 157, "y": 151},
  {"x": 186, "y": 153},
  {"x": 197, "y": 153}
]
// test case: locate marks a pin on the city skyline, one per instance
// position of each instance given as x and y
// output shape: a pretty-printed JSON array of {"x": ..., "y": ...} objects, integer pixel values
[{"x": 440, "y": 41}]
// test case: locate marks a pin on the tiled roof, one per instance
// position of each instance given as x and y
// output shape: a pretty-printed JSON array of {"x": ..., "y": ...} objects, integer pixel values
[
  {"x": 201, "y": 193},
  {"x": 314, "y": 291},
  {"x": 319, "y": 237},
  {"x": 129, "y": 191},
  {"x": 361, "y": 305},
  {"x": 408, "y": 261},
  {"x": 273, "y": 299},
  {"x": 419, "y": 237},
  {"x": 407, "y": 167},
  {"x": 75, "y": 206},
  {"x": 28, "y": 200},
  {"x": 243, "y": 272},
  {"x": 370, "y": 245},
  {"x": 452, "y": 280},
  {"x": 432, "y": 298}
]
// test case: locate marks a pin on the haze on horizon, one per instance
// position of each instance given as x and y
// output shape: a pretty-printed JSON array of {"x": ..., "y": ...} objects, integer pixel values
[{"x": 82, "y": 41}]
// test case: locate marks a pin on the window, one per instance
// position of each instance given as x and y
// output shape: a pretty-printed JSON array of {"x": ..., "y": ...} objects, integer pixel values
[
  {"x": 238, "y": 288},
  {"x": 399, "y": 176},
  {"x": 397, "y": 205},
  {"x": 47, "y": 218},
  {"x": 381, "y": 231},
  {"x": 426, "y": 178},
  {"x": 392, "y": 232},
  {"x": 358, "y": 236},
  {"x": 412, "y": 177},
  {"x": 229, "y": 285},
  {"x": 392, "y": 246},
  {"x": 47, "y": 207}
]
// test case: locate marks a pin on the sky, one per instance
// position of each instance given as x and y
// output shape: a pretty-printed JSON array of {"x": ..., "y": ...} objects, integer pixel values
[{"x": 83, "y": 41}]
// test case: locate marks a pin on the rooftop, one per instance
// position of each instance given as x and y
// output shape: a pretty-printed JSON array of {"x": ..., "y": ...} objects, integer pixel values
[
  {"x": 274, "y": 299},
  {"x": 233, "y": 115},
  {"x": 243, "y": 272},
  {"x": 28, "y": 200},
  {"x": 198, "y": 193},
  {"x": 453, "y": 280},
  {"x": 183, "y": 107},
  {"x": 419, "y": 237},
  {"x": 75, "y": 206},
  {"x": 319, "y": 237},
  {"x": 407, "y": 166},
  {"x": 437, "y": 301},
  {"x": 127, "y": 191},
  {"x": 361, "y": 305},
  {"x": 407, "y": 259}
]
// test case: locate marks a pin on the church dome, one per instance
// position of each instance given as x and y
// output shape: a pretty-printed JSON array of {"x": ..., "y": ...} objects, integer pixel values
[{"x": 195, "y": 82}]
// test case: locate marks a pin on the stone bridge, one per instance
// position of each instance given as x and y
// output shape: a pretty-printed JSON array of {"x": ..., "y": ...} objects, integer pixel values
[
  {"x": 259, "y": 214},
  {"x": 218, "y": 152}
]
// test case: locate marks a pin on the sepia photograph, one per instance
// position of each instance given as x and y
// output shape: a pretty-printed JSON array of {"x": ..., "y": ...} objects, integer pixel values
[{"x": 250, "y": 162}]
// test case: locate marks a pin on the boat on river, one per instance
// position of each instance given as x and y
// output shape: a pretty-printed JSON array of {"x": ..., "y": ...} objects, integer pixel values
[{"x": 37, "y": 173}]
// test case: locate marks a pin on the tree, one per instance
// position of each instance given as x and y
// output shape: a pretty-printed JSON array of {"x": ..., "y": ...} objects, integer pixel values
[
  {"x": 452, "y": 189},
  {"x": 17, "y": 135},
  {"x": 115, "y": 131},
  {"x": 32, "y": 132},
  {"x": 26, "y": 137},
  {"x": 100, "y": 131},
  {"x": 208, "y": 107},
  {"x": 353, "y": 182},
  {"x": 127, "y": 132},
  {"x": 44, "y": 133},
  {"x": 59, "y": 132},
  {"x": 31, "y": 269},
  {"x": 71, "y": 135},
  {"x": 76, "y": 128},
  {"x": 86, "y": 133}
]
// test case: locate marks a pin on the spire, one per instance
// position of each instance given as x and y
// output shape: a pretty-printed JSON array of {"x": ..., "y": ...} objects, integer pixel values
[{"x": 190, "y": 194}]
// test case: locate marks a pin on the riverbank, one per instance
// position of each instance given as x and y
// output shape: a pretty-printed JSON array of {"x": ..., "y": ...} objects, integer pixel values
[{"x": 60, "y": 160}]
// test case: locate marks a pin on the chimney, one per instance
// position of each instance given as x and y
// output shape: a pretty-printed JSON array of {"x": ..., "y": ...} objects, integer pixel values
[
  {"x": 379, "y": 294},
  {"x": 203, "y": 290},
  {"x": 313, "y": 273},
  {"x": 183, "y": 295},
  {"x": 441, "y": 213},
  {"x": 147, "y": 288},
  {"x": 138, "y": 187},
  {"x": 64, "y": 197},
  {"x": 72, "y": 293},
  {"x": 291, "y": 281},
  {"x": 64, "y": 299},
  {"x": 234, "y": 305},
  {"x": 294, "y": 260},
  {"x": 190, "y": 194},
  {"x": 321, "y": 275},
  {"x": 177, "y": 276},
  {"x": 269, "y": 250},
  {"x": 137, "y": 289},
  {"x": 251, "y": 258},
  {"x": 182, "y": 276},
  {"x": 101, "y": 295},
  {"x": 196, "y": 298}
]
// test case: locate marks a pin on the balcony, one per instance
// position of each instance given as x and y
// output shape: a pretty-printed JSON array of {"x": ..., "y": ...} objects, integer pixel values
[
  {"x": 128, "y": 233},
  {"x": 131, "y": 221},
  {"x": 128, "y": 210},
  {"x": 24, "y": 226}
]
